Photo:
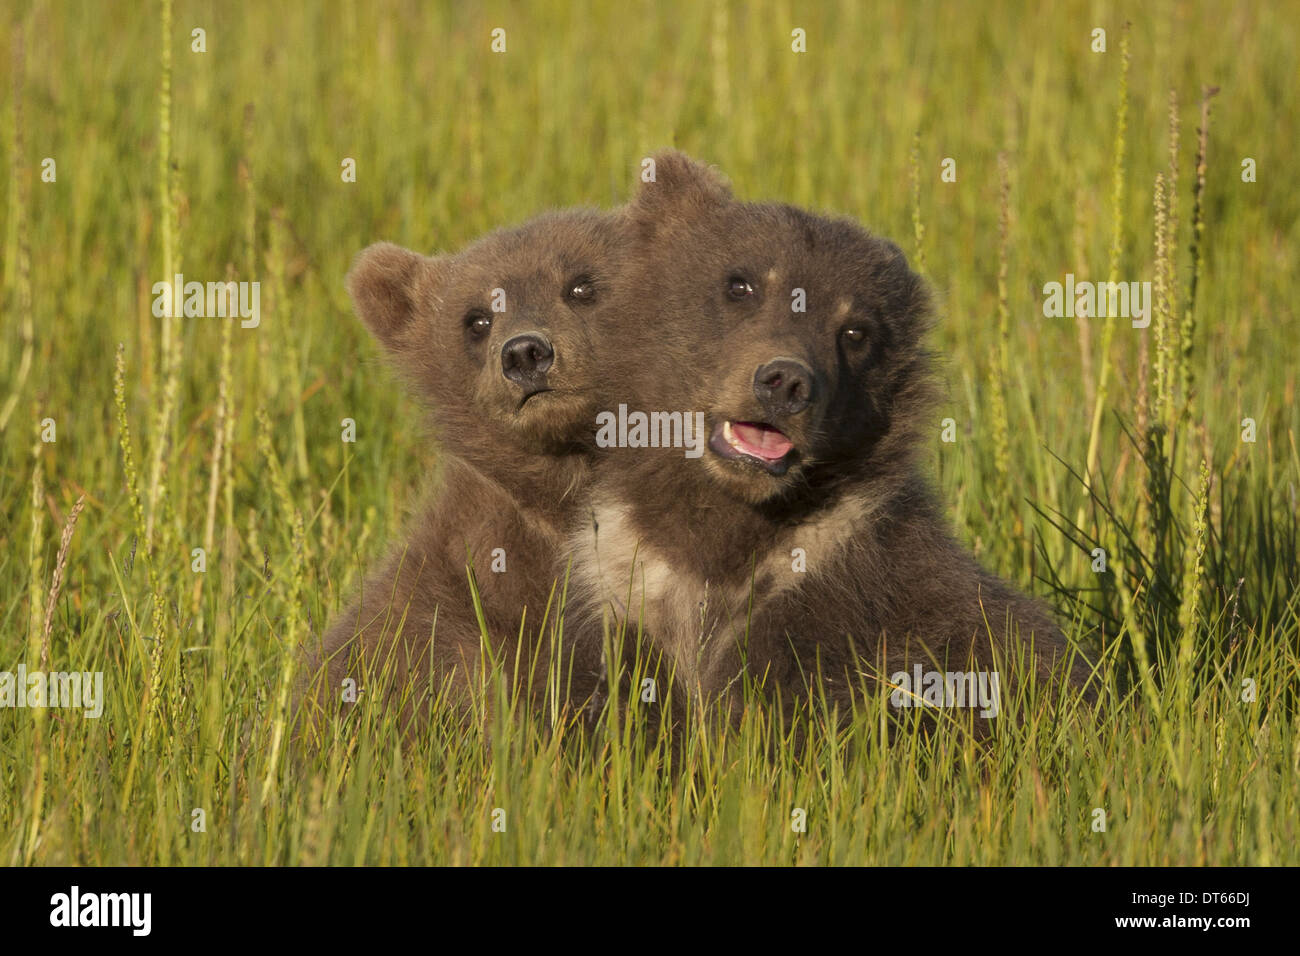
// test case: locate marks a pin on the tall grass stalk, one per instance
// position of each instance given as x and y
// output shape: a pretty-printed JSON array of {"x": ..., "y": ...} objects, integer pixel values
[
  {"x": 918, "y": 226},
  {"x": 18, "y": 274},
  {"x": 1112, "y": 272},
  {"x": 1000, "y": 368},
  {"x": 171, "y": 348}
]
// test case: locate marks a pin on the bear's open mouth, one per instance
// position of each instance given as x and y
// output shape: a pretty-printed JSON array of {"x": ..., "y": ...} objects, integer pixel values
[{"x": 758, "y": 442}]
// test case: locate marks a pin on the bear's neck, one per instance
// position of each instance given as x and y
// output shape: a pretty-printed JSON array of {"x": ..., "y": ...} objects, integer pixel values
[
  {"x": 544, "y": 488},
  {"x": 686, "y": 518}
]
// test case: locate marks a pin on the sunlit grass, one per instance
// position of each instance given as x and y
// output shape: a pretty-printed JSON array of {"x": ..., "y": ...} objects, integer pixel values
[{"x": 201, "y": 434}]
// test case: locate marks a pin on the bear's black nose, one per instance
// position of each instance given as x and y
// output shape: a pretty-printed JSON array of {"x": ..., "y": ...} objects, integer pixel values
[
  {"x": 784, "y": 386},
  {"x": 525, "y": 358}
]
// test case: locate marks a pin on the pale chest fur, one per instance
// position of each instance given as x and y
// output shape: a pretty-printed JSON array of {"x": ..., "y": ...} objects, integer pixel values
[{"x": 698, "y": 612}]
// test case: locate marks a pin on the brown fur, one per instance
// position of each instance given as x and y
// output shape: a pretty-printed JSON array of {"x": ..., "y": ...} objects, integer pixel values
[
  {"x": 702, "y": 547},
  {"x": 514, "y": 455}
]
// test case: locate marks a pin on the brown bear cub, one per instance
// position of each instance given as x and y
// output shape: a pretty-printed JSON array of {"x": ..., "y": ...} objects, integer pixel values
[
  {"x": 790, "y": 540},
  {"x": 497, "y": 340}
]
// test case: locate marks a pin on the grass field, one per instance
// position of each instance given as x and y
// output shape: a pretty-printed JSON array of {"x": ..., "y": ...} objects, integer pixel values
[{"x": 186, "y": 433}]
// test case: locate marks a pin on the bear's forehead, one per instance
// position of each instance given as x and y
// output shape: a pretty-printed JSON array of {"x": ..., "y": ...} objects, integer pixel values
[
  {"x": 558, "y": 230},
  {"x": 524, "y": 265},
  {"x": 786, "y": 244},
  {"x": 540, "y": 250}
]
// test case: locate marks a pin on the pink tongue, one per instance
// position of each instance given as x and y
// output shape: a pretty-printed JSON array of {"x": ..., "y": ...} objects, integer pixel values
[{"x": 761, "y": 441}]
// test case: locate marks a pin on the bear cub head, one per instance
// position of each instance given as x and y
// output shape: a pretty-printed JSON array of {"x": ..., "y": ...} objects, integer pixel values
[
  {"x": 497, "y": 336},
  {"x": 802, "y": 334}
]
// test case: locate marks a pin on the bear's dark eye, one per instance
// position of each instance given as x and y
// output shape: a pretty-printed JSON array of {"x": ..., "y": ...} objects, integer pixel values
[
  {"x": 582, "y": 289},
  {"x": 478, "y": 323},
  {"x": 738, "y": 287},
  {"x": 855, "y": 336}
]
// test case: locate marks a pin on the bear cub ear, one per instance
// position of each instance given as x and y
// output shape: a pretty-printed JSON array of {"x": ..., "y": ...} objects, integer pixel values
[
  {"x": 681, "y": 186},
  {"x": 386, "y": 284}
]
